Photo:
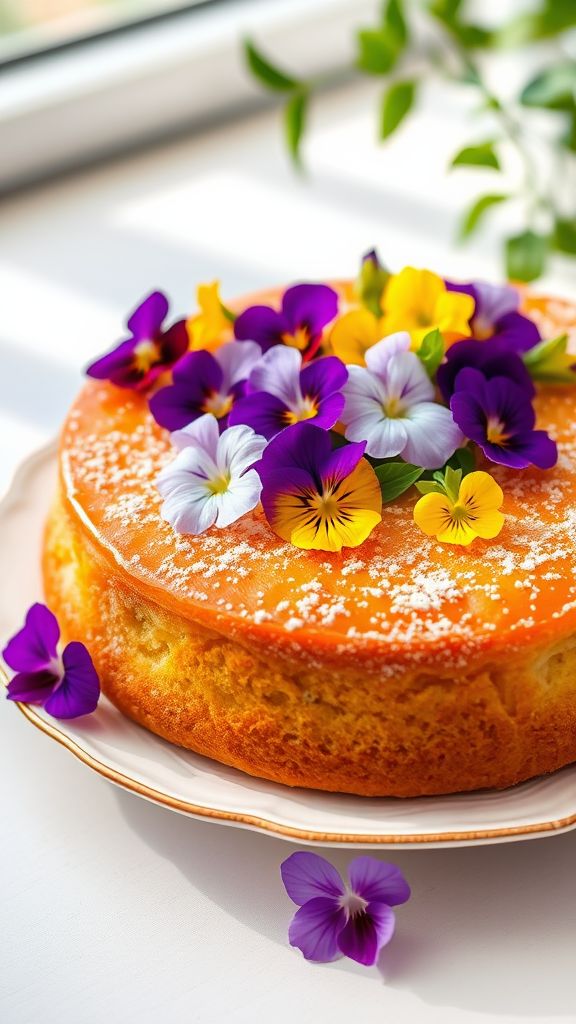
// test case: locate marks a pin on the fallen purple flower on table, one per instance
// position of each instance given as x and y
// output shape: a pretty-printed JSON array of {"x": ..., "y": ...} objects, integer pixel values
[
  {"x": 496, "y": 315},
  {"x": 205, "y": 382},
  {"x": 494, "y": 358},
  {"x": 67, "y": 686},
  {"x": 137, "y": 362},
  {"x": 306, "y": 309},
  {"x": 281, "y": 392},
  {"x": 498, "y": 416},
  {"x": 338, "y": 919}
]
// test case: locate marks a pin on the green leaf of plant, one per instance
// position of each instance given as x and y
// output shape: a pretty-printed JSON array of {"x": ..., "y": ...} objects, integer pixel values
[
  {"x": 472, "y": 218},
  {"x": 481, "y": 155},
  {"x": 565, "y": 235},
  {"x": 397, "y": 102},
  {"x": 550, "y": 362},
  {"x": 553, "y": 89},
  {"x": 295, "y": 123},
  {"x": 556, "y": 16},
  {"x": 431, "y": 351},
  {"x": 265, "y": 72},
  {"x": 377, "y": 51},
  {"x": 429, "y": 487},
  {"x": 396, "y": 477},
  {"x": 394, "y": 21},
  {"x": 463, "y": 459},
  {"x": 526, "y": 256}
]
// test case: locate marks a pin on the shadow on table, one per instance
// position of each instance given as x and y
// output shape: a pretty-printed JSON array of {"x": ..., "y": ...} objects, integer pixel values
[{"x": 490, "y": 928}]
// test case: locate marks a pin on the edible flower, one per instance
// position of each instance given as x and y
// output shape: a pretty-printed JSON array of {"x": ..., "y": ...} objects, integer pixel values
[
  {"x": 306, "y": 309},
  {"x": 213, "y": 324},
  {"x": 317, "y": 497},
  {"x": 371, "y": 282},
  {"x": 282, "y": 393},
  {"x": 456, "y": 510},
  {"x": 205, "y": 382},
  {"x": 390, "y": 405},
  {"x": 353, "y": 334},
  {"x": 67, "y": 684},
  {"x": 211, "y": 481},
  {"x": 498, "y": 416},
  {"x": 337, "y": 919},
  {"x": 137, "y": 362},
  {"x": 493, "y": 358},
  {"x": 496, "y": 315},
  {"x": 418, "y": 301}
]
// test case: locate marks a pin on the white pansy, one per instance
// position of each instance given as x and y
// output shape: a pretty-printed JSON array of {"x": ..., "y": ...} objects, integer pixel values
[
  {"x": 210, "y": 482},
  {"x": 390, "y": 405}
]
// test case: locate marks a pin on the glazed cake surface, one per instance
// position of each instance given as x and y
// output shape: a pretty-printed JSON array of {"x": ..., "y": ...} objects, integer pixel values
[{"x": 402, "y": 668}]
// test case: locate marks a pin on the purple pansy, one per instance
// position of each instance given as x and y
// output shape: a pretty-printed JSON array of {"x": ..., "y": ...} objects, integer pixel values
[
  {"x": 67, "y": 685},
  {"x": 281, "y": 392},
  {"x": 306, "y": 309},
  {"x": 496, "y": 315},
  {"x": 493, "y": 358},
  {"x": 338, "y": 919},
  {"x": 138, "y": 361},
  {"x": 498, "y": 416},
  {"x": 205, "y": 383}
]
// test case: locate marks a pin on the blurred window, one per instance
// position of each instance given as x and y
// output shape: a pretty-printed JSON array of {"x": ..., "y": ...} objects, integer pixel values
[{"x": 33, "y": 26}]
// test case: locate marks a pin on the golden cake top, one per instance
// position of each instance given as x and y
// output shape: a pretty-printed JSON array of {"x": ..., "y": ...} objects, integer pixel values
[{"x": 400, "y": 596}]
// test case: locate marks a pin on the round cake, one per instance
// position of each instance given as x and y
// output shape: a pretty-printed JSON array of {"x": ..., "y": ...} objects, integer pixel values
[{"x": 403, "y": 666}]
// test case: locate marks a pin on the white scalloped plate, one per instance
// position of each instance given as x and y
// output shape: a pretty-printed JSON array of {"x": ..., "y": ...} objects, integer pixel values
[{"x": 138, "y": 761}]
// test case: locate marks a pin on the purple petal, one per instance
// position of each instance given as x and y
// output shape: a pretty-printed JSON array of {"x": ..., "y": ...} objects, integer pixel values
[
  {"x": 376, "y": 880},
  {"x": 280, "y": 481},
  {"x": 469, "y": 414},
  {"x": 342, "y": 461},
  {"x": 261, "y": 324},
  {"x": 196, "y": 376},
  {"x": 535, "y": 448},
  {"x": 265, "y": 413},
  {"x": 116, "y": 365},
  {"x": 146, "y": 320},
  {"x": 32, "y": 687},
  {"x": 510, "y": 404},
  {"x": 33, "y": 648},
  {"x": 301, "y": 447},
  {"x": 329, "y": 411},
  {"x": 517, "y": 331},
  {"x": 311, "y": 306},
  {"x": 307, "y": 875},
  {"x": 366, "y": 933},
  {"x": 494, "y": 358},
  {"x": 79, "y": 691},
  {"x": 323, "y": 377},
  {"x": 315, "y": 928},
  {"x": 174, "y": 343}
]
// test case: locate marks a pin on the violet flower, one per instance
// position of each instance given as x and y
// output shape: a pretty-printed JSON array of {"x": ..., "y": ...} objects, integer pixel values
[
  {"x": 138, "y": 361},
  {"x": 496, "y": 315},
  {"x": 306, "y": 309},
  {"x": 67, "y": 686},
  {"x": 494, "y": 358},
  {"x": 205, "y": 382},
  {"x": 335, "y": 919},
  {"x": 498, "y": 416},
  {"x": 282, "y": 393}
]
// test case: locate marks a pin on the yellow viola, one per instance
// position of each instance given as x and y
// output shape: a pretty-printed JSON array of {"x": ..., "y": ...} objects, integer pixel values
[
  {"x": 209, "y": 328},
  {"x": 458, "y": 511},
  {"x": 418, "y": 301},
  {"x": 353, "y": 334}
]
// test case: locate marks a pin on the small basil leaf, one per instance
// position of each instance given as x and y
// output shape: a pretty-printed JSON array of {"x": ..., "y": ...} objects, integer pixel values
[
  {"x": 396, "y": 477},
  {"x": 431, "y": 351}
]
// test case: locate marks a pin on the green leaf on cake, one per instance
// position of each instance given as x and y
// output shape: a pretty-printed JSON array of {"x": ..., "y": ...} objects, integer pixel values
[
  {"x": 396, "y": 477},
  {"x": 550, "y": 363},
  {"x": 270, "y": 76},
  {"x": 397, "y": 102},
  {"x": 474, "y": 216},
  {"x": 480, "y": 155},
  {"x": 526, "y": 256},
  {"x": 431, "y": 351}
]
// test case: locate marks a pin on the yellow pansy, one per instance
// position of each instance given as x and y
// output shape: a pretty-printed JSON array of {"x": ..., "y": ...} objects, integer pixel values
[
  {"x": 418, "y": 301},
  {"x": 209, "y": 328},
  {"x": 353, "y": 334},
  {"x": 459, "y": 517}
]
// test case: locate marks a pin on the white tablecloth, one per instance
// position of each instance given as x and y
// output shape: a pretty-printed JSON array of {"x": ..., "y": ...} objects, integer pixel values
[{"x": 117, "y": 910}]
